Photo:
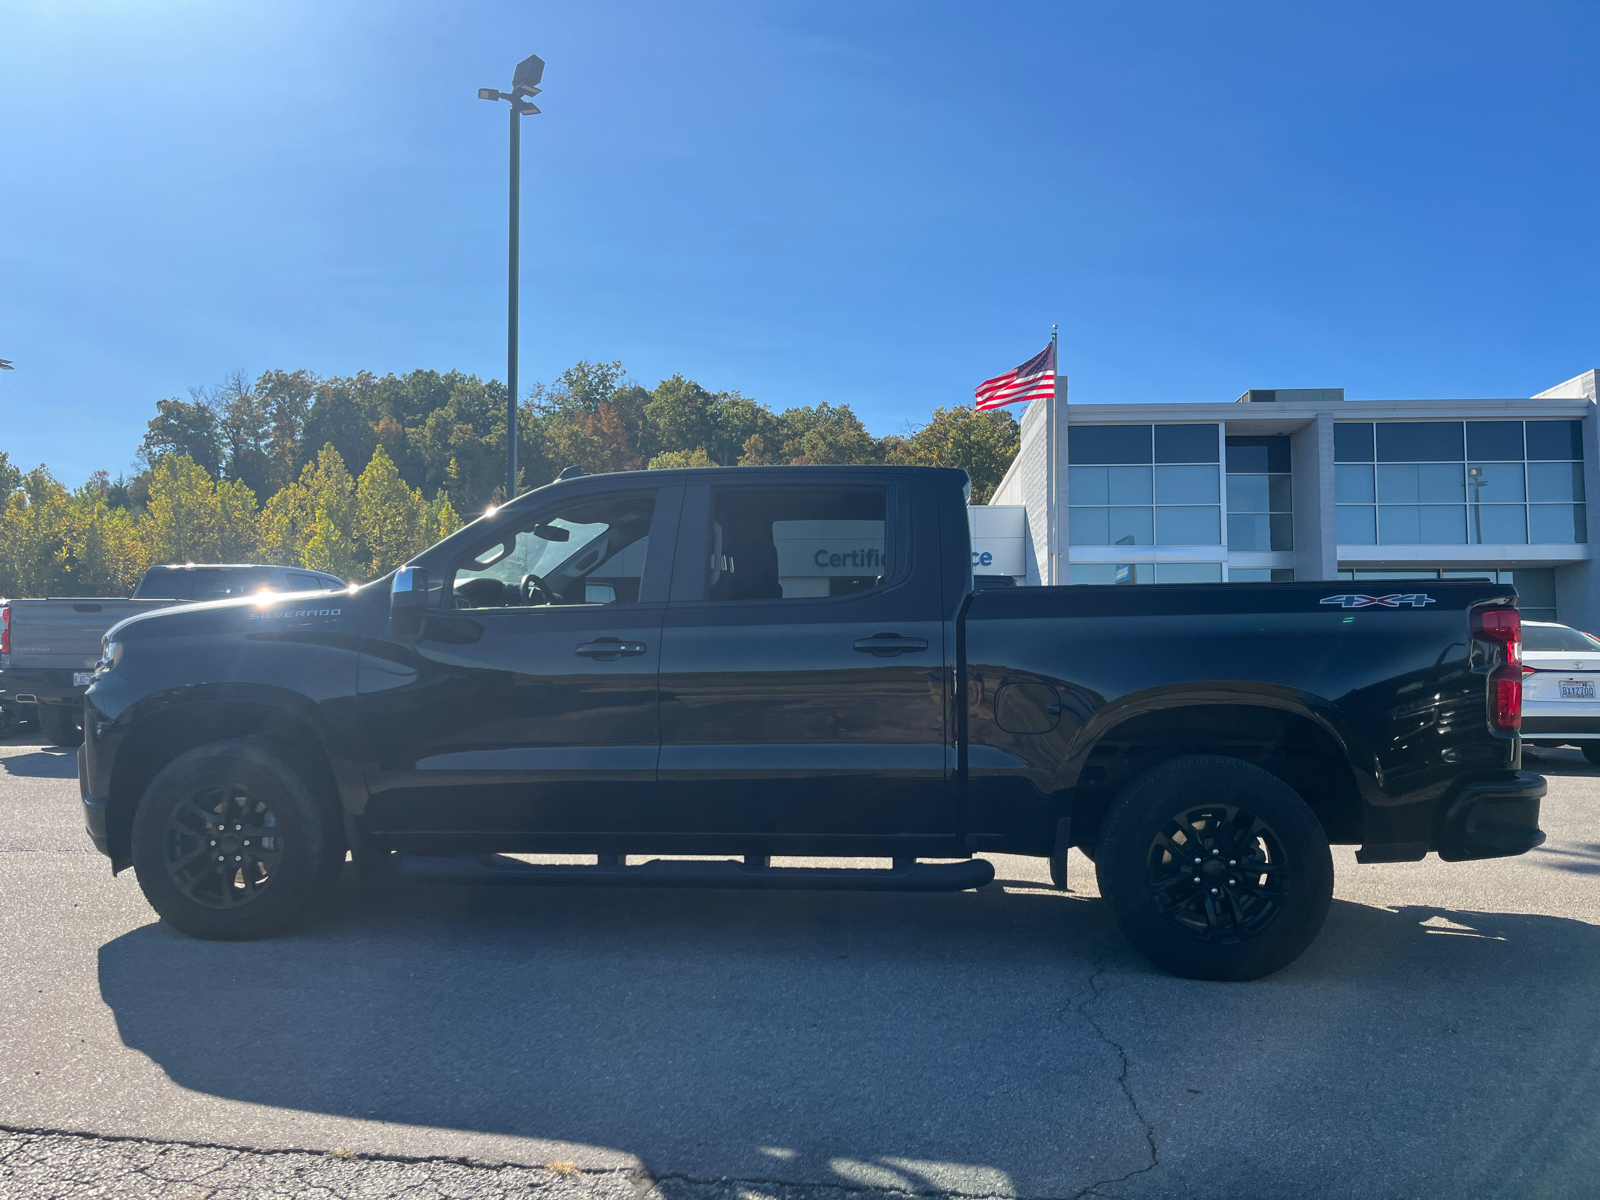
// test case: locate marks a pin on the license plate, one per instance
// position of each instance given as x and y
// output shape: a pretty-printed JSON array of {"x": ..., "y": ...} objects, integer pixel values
[
  {"x": 1577, "y": 689},
  {"x": 83, "y": 679}
]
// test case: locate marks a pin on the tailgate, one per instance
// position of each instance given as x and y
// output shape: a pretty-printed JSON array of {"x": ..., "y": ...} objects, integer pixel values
[{"x": 65, "y": 634}]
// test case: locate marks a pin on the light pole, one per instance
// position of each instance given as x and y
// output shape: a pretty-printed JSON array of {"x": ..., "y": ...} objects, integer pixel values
[{"x": 524, "y": 86}]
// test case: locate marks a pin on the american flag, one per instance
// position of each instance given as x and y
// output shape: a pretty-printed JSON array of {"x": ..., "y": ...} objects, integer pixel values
[{"x": 1033, "y": 380}]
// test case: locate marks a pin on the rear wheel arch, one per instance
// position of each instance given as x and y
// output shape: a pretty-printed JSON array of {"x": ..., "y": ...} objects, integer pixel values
[
  {"x": 168, "y": 733},
  {"x": 1290, "y": 744}
]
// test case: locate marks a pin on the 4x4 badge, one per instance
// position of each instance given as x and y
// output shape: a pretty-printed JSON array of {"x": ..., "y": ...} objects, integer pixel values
[{"x": 1395, "y": 600}]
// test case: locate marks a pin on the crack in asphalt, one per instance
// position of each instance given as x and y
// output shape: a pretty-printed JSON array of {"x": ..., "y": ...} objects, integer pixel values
[
  {"x": 1082, "y": 1008},
  {"x": 218, "y": 1180}
]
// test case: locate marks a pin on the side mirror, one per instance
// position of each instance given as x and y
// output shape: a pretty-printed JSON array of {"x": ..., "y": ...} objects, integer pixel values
[{"x": 408, "y": 601}]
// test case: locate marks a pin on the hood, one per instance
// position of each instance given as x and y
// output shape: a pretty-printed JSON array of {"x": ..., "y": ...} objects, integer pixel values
[{"x": 244, "y": 615}]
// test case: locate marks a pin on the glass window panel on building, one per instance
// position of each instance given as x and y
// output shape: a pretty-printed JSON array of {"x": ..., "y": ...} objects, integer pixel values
[
  {"x": 1494, "y": 441},
  {"x": 1260, "y": 574},
  {"x": 1188, "y": 572},
  {"x": 1260, "y": 488},
  {"x": 1186, "y": 443},
  {"x": 1128, "y": 485},
  {"x": 1088, "y": 485},
  {"x": 1496, "y": 524},
  {"x": 1422, "y": 524},
  {"x": 1352, "y": 485},
  {"x": 1557, "y": 523},
  {"x": 1131, "y": 527},
  {"x": 1187, "y": 525},
  {"x": 1420, "y": 441},
  {"x": 1186, "y": 485},
  {"x": 1356, "y": 525},
  {"x": 1555, "y": 481},
  {"x": 1420, "y": 483},
  {"x": 1424, "y": 469},
  {"x": 1352, "y": 441},
  {"x": 1101, "y": 444},
  {"x": 1117, "y": 496},
  {"x": 1549, "y": 440},
  {"x": 1495, "y": 483}
]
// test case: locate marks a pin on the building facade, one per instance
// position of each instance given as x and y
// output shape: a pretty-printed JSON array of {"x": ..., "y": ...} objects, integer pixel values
[{"x": 1306, "y": 485}]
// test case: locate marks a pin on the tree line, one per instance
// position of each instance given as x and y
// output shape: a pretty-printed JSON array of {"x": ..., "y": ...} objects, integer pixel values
[{"x": 260, "y": 471}]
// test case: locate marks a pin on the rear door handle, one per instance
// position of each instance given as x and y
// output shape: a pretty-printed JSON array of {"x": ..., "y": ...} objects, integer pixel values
[
  {"x": 608, "y": 649},
  {"x": 887, "y": 645}
]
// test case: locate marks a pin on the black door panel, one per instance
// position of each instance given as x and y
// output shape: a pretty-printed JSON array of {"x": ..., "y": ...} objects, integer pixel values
[
  {"x": 808, "y": 714},
  {"x": 547, "y": 720}
]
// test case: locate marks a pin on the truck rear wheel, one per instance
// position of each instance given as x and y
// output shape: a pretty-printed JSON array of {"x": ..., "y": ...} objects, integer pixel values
[
  {"x": 229, "y": 843},
  {"x": 1591, "y": 751},
  {"x": 59, "y": 725},
  {"x": 1215, "y": 869}
]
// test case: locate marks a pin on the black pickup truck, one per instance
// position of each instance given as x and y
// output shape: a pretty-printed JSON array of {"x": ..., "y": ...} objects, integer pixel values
[{"x": 794, "y": 661}]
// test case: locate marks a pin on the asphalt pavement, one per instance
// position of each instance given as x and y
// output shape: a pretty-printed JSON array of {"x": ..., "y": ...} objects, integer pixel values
[{"x": 1438, "y": 1039}]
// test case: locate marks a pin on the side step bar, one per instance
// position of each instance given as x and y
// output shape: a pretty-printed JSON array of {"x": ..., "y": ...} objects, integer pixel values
[{"x": 727, "y": 873}]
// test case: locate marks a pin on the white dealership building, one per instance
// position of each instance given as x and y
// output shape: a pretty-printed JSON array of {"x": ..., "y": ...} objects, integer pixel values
[{"x": 1304, "y": 484}]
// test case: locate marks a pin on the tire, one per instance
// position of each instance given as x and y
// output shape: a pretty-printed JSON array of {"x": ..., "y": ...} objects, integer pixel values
[
  {"x": 1591, "y": 751},
  {"x": 284, "y": 874},
  {"x": 59, "y": 725},
  {"x": 1213, "y": 923}
]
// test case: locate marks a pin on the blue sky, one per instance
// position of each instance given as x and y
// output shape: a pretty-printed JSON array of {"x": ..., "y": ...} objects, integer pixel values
[{"x": 878, "y": 204}]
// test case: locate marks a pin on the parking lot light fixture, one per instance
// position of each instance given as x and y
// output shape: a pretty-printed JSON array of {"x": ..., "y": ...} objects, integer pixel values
[{"x": 524, "y": 85}]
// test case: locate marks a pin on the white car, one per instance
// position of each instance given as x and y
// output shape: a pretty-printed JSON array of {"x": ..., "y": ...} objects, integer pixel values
[{"x": 1561, "y": 687}]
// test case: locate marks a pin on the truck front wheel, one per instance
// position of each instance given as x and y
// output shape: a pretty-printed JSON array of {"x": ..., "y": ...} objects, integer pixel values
[
  {"x": 1215, "y": 869},
  {"x": 229, "y": 843}
]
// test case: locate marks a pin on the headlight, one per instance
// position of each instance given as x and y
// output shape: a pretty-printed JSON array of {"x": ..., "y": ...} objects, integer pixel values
[{"x": 110, "y": 656}]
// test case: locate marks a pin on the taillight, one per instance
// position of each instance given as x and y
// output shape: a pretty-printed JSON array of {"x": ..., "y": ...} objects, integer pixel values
[
  {"x": 1503, "y": 627},
  {"x": 5, "y": 630}
]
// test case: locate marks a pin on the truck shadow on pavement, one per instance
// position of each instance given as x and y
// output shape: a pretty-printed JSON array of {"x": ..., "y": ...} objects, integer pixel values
[
  {"x": 43, "y": 764},
  {"x": 972, "y": 1042}
]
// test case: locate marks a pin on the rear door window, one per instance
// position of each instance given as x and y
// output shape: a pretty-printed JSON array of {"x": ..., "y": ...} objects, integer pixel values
[{"x": 797, "y": 544}]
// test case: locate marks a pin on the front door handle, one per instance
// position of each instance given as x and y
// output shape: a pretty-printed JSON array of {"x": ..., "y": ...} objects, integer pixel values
[
  {"x": 887, "y": 645},
  {"x": 608, "y": 649}
]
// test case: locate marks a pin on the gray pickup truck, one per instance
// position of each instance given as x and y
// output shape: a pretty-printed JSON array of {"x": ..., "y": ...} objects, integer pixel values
[{"x": 48, "y": 647}]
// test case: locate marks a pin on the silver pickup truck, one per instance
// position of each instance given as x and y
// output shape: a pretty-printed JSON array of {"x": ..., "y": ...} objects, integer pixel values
[{"x": 48, "y": 648}]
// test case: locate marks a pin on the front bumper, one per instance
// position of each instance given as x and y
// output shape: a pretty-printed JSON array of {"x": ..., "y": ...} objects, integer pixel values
[
  {"x": 94, "y": 808},
  {"x": 1493, "y": 818}
]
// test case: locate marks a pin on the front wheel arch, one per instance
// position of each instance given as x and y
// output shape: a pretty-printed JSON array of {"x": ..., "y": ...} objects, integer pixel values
[{"x": 161, "y": 736}]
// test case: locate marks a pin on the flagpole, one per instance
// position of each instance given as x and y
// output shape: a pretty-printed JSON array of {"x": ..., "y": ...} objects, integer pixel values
[{"x": 1052, "y": 522}]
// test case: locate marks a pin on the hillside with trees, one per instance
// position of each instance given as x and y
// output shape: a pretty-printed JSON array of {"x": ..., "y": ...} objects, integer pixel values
[{"x": 261, "y": 471}]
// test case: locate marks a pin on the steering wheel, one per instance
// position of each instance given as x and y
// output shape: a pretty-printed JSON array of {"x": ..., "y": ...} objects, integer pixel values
[{"x": 535, "y": 591}]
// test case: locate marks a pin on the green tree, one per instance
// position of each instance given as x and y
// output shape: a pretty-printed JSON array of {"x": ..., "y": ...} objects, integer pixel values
[
  {"x": 980, "y": 443},
  {"x": 825, "y": 433},
  {"x": 332, "y": 545},
  {"x": 33, "y": 533},
  {"x": 683, "y": 458},
  {"x": 187, "y": 428},
  {"x": 390, "y": 517},
  {"x": 10, "y": 477},
  {"x": 190, "y": 518}
]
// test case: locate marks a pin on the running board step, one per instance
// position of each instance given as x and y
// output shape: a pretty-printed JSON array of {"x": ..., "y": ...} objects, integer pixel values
[{"x": 727, "y": 873}]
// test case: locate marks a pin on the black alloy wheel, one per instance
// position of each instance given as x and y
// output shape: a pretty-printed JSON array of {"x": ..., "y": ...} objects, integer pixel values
[
  {"x": 1215, "y": 868},
  {"x": 223, "y": 846},
  {"x": 231, "y": 841},
  {"x": 1218, "y": 873}
]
